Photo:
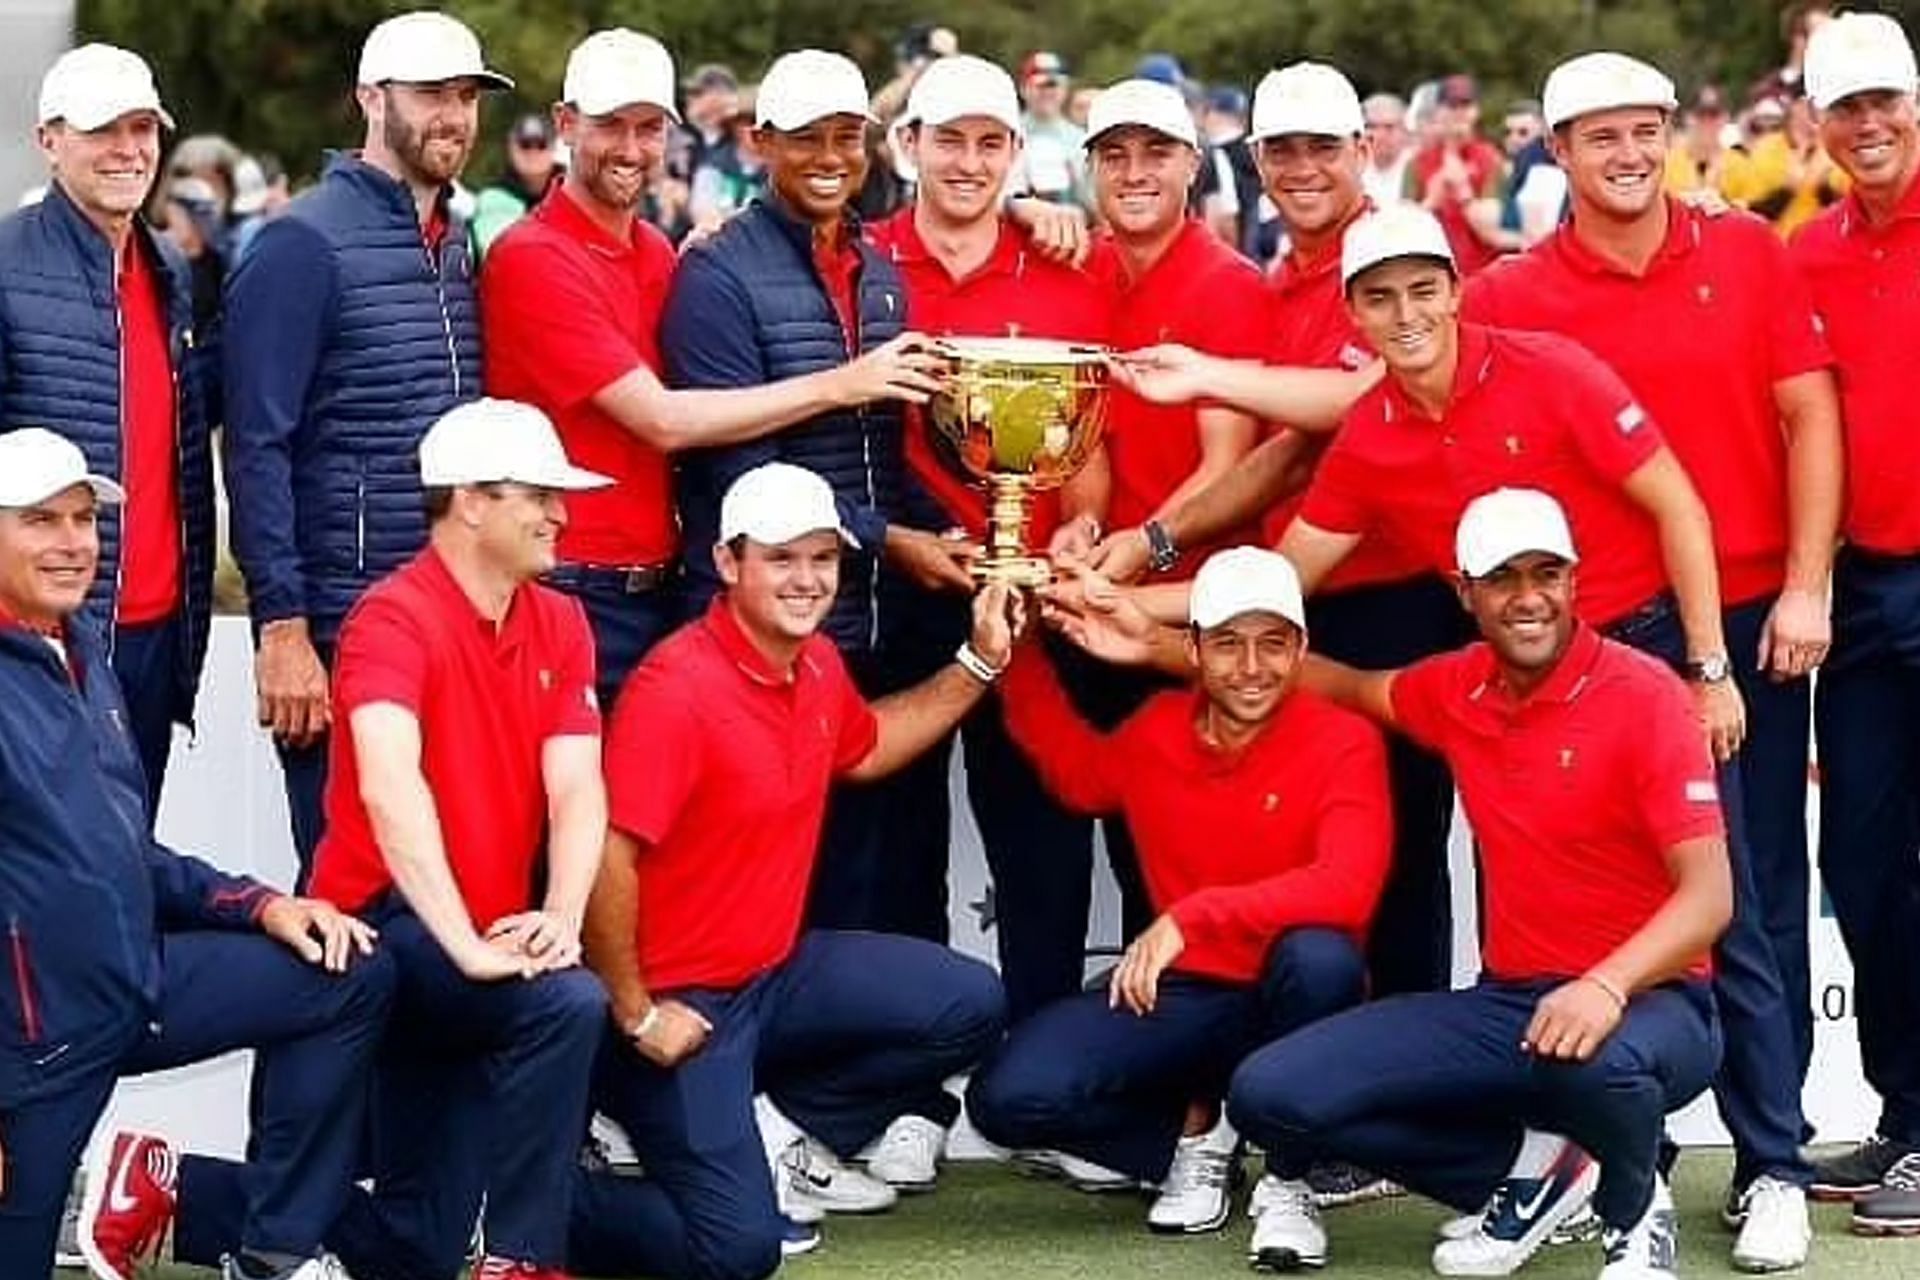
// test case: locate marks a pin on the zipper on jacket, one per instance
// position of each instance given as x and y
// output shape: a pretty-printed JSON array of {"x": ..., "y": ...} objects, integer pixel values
[
  {"x": 360, "y": 524},
  {"x": 120, "y": 557},
  {"x": 23, "y": 982},
  {"x": 436, "y": 266}
]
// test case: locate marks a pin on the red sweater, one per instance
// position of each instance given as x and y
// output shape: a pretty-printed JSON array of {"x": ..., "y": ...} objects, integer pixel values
[{"x": 1294, "y": 830}]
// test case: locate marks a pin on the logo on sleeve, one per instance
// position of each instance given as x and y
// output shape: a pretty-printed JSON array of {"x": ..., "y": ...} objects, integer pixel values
[
  {"x": 1629, "y": 419},
  {"x": 1702, "y": 791}
]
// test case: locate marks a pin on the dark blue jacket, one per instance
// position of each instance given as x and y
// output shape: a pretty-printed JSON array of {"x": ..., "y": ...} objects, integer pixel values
[
  {"x": 747, "y": 308},
  {"x": 60, "y": 369},
  {"x": 85, "y": 891},
  {"x": 348, "y": 338}
]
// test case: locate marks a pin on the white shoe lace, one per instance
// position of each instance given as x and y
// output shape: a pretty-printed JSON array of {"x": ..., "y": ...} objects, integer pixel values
[
  {"x": 1196, "y": 1169},
  {"x": 1903, "y": 1174}
]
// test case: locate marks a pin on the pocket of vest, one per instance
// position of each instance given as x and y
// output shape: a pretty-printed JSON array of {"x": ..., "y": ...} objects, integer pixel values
[{"x": 21, "y": 963}]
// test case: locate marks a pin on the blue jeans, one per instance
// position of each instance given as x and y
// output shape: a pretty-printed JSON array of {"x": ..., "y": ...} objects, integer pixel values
[
  {"x": 843, "y": 1037},
  {"x": 1113, "y": 1087},
  {"x": 1434, "y": 1090},
  {"x": 1758, "y": 1088},
  {"x": 1868, "y": 712},
  {"x": 315, "y": 1034}
]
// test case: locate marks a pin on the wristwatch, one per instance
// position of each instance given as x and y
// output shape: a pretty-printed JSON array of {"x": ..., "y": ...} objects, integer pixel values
[
  {"x": 1712, "y": 668},
  {"x": 1162, "y": 555}
]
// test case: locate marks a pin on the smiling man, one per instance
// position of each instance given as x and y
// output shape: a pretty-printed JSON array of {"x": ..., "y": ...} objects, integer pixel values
[
  {"x": 748, "y": 1036},
  {"x": 571, "y": 304},
  {"x": 1605, "y": 880},
  {"x": 1263, "y": 857},
  {"x": 351, "y": 327},
  {"x": 1859, "y": 259},
  {"x": 96, "y": 324},
  {"x": 1742, "y": 388}
]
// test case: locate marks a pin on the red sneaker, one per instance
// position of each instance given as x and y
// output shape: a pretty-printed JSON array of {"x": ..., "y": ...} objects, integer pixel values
[
  {"x": 128, "y": 1203},
  {"x": 492, "y": 1268}
]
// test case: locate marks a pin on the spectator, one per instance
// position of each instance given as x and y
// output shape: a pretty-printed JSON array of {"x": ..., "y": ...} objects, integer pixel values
[
  {"x": 1536, "y": 190},
  {"x": 355, "y": 327},
  {"x": 259, "y": 194},
  {"x": 195, "y": 224},
  {"x": 97, "y": 329},
  {"x": 1385, "y": 176},
  {"x": 1457, "y": 176},
  {"x": 712, "y": 96},
  {"x": 1793, "y": 177},
  {"x": 731, "y": 174},
  {"x": 532, "y": 162},
  {"x": 1798, "y": 22},
  {"x": 1055, "y": 158},
  {"x": 1703, "y": 158},
  {"x": 215, "y": 161},
  {"x": 1233, "y": 206},
  {"x": 1080, "y": 105}
]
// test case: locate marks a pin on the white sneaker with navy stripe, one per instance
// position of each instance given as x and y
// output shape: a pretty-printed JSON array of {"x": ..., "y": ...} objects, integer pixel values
[{"x": 1522, "y": 1213}]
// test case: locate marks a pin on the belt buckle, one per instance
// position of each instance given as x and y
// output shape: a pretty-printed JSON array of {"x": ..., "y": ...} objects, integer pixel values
[{"x": 643, "y": 579}]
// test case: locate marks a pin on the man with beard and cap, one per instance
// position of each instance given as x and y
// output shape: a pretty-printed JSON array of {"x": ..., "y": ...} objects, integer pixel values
[
  {"x": 1742, "y": 387},
  {"x": 570, "y": 304},
  {"x": 1859, "y": 259},
  {"x": 352, "y": 325}
]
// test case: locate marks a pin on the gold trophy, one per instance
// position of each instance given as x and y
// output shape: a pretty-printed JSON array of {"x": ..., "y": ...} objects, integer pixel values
[{"x": 1019, "y": 416}]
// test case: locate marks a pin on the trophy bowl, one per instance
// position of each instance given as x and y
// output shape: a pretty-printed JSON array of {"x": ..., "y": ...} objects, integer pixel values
[{"x": 1018, "y": 416}]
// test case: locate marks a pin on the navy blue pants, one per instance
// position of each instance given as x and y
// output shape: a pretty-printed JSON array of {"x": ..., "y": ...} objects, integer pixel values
[
  {"x": 1758, "y": 1086},
  {"x": 626, "y": 623},
  {"x": 304, "y": 771},
  {"x": 1867, "y": 706},
  {"x": 1434, "y": 1091},
  {"x": 1380, "y": 628},
  {"x": 314, "y": 1033},
  {"x": 480, "y": 1089},
  {"x": 146, "y": 661},
  {"x": 842, "y": 1037},
  {"x": 1113, "y": 1087}
]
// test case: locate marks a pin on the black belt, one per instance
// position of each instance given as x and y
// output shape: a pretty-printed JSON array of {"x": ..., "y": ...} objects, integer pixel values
[
  {"x": 1879, "y": 559},
  {"x": 1660, "y": 607},
  {"x": 634, "y": 580}
]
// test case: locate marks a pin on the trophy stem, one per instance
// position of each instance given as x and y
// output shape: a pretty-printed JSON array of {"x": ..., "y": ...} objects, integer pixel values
[{"x": 1006, "y": 558}]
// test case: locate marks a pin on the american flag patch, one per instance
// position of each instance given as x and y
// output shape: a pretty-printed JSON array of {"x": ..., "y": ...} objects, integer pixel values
[
  {"x": 1703, "y": 791},
  {"x": 1629, "y": 419}
]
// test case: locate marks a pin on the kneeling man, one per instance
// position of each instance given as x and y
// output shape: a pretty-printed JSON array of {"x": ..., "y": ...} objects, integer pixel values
[{"x": 733, "y": 1021}]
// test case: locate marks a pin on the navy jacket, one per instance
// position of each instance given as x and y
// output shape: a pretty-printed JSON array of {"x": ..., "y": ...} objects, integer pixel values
[
  {"x": 85, "y": 891},
  {"x": 60, "y": 369},
  {"x": 348, "y": 338},
  {"x": 747, "y": 308}
]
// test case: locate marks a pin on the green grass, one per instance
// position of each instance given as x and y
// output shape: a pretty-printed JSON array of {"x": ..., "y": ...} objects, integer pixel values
[{"x": 989, "y": 1223}]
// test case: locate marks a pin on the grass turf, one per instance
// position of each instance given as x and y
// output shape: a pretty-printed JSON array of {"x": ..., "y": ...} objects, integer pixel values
[{"x": 990, "y": 1223}]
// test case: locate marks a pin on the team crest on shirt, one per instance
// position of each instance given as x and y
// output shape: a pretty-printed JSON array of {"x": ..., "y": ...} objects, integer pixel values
[
  {"x": 1630, "y": 419},
  {"x": 1705, "y": 294},
  {"x": 1566, "y": 757},
  {"x": 545, "y": 677},
  {"x": 592, "y": 699},
  {"x": 1353, "y": 356},
  {"x": 1514, "y": 446},
  {"x": 1270, "y": 801}
]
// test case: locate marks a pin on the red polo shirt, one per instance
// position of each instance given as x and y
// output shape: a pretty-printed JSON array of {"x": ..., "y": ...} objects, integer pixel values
[
  {"x": 487, "y": 700},
  {"x": 1529, "y": 410},
  {"x": 568, "y": 310},
  {"x": 150, "y": 548},
  {"x": 1295, "y": 829},
  {"x": 1015, "y": 292},
  {"x": 1312, "y": 328},
  {"x": 1866, "y": 289},
  {"x": 719, "y": 764},
  {"x": 1733, "y": 319},
  {"x": 1199, "y": 293},
  {"x": 1575, "y": 792}
]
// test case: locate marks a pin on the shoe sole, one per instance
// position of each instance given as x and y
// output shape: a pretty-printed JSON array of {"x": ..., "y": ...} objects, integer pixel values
[
  {"x": 912, "y": 1188},
  {"x": 1902, "y": 1227},
  {"x": 1834, "y": 1193},
  {"x": 1765, "y": 1266},
  {"x": 1100, "y": 1188},
  {"x": 1283, "y": 1261},
  {"x": 1214, "y": 1223},
  {"x": 1366, "y": 1195},
  {"x": 798, "y": 1248}
]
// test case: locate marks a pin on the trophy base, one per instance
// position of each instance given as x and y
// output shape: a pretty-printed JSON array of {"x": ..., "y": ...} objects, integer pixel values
[{"x": 1027, "y": 572}]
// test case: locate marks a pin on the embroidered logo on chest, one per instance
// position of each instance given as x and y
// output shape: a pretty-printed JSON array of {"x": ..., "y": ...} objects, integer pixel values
[{"x": 545, "y": 677}]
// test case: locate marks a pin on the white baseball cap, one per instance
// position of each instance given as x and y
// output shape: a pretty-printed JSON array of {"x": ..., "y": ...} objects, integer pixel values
[
  {"x": 425, "y": 47},
  {"x": 1602, "y": 82},
  {"x": 1245, "y": 580},
  {"x": 1146, "y": 103},
  {"x": 1856, "y": 52},
  {"x": 619, "y": 68},
  {"x": 959, "y": 86},
  {"x": 499, "y": 441},
  {"x": 36, "y": 464},
  {"x": 778, "y": 502},
  {"x": 1400, "y": 230},
  {"x": 1506, "y": 523},
  {"x": 95, "y": 85},
  {"x": 1307, "y": 97},
  {"x": 808, "y": 85}
]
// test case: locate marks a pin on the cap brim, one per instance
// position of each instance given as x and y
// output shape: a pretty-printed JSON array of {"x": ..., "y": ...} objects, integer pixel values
[
  {"x": 104, "y": 490},
  {"x": 1485, "y": 567},
  {"x": 593, "y": 108},
  {"x": 87, "y": 123},
  {"x": 794, "y": 126},
  {"x": 781, "y": 537},
  {"x": 1118, "y": 125},
  {"x": 487, "y": 79},
  {"x": 575, "y": 480}
]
